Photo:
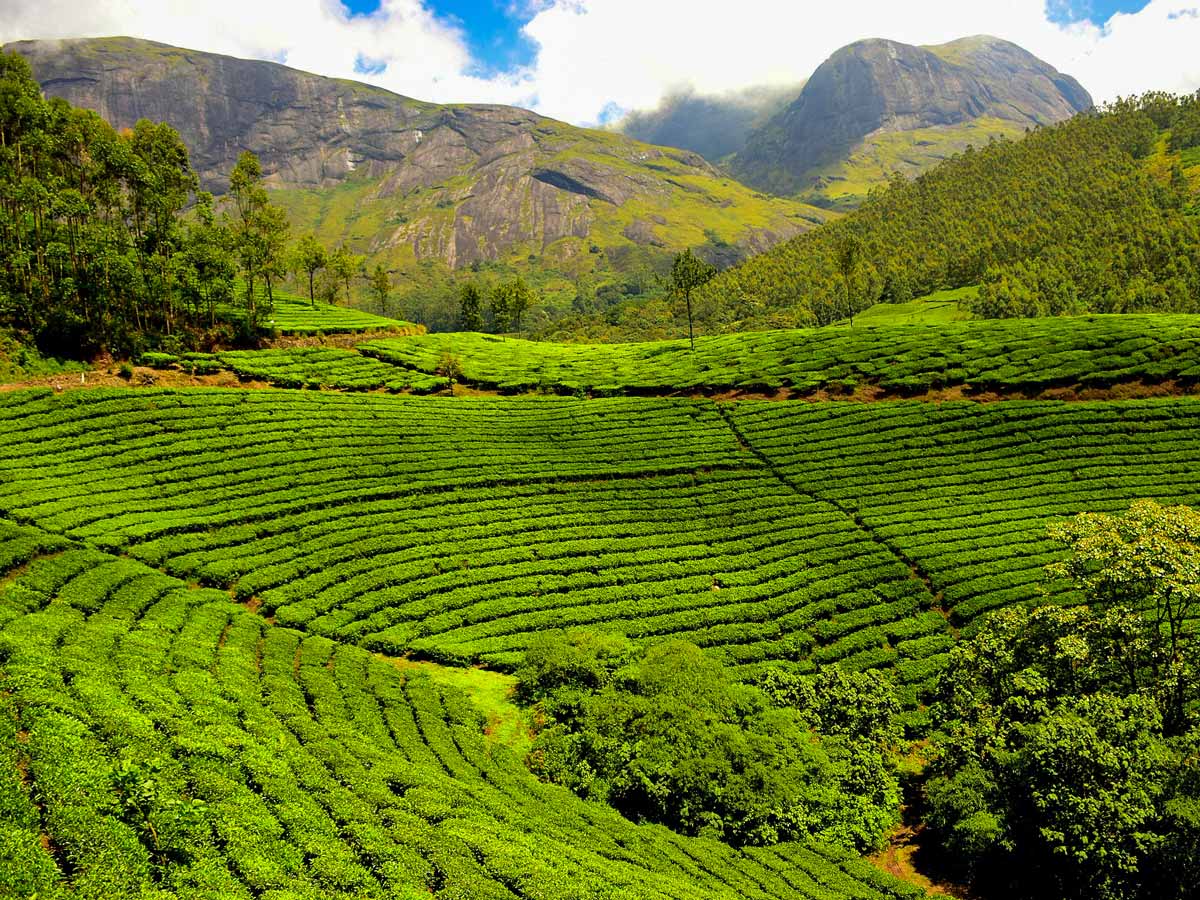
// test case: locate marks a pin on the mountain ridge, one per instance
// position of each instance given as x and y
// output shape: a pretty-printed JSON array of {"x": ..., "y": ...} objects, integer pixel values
[{"x": 409, "y": 182}]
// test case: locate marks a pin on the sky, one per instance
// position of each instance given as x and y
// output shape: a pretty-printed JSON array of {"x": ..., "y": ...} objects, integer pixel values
[{"x": 588, "y": 61}]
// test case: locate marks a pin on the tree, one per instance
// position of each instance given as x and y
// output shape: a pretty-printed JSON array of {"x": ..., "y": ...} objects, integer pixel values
[
  {"x": 1067, "y": 765},
  {"x": 381, "y": 287},
  {"x": 260, "y": 229},
  {"x": 273, "y": 227},
  {"x": 509, "y": 301},
  {"x": 310, "y": 257},
  {"x": 209, "y": 258},
  {"x": 343, "y": 265},
  {"x": 470, "y": 306},
  {"x": 248, "y": 197},
  {"x": 848, "y": 251},
  {"x": 1051, "y": 778},
  {"x": 667, "y": 736},
  {"x": 1148, "y": 561},
  {"x": 689, "y": 272}
]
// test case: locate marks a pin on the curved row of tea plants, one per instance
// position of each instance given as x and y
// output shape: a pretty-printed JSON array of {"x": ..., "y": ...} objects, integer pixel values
[
  {"x": 457, "y": 529},
  {"x": 161, "y": 741},
  {"x": 965, "y": 490},
  {"x": 308, "y": 367},
  {"x": 1020, "y": 355},
  {"x": 733, "y": 561},
  {"x": 119, "y": 465}
]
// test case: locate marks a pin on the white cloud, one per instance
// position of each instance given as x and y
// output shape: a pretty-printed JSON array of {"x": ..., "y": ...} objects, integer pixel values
[
  {"x": 593, "y": 54},
  {"x": 425, "y": 56}
]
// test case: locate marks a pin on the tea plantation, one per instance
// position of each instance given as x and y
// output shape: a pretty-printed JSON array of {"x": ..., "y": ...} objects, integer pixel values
[
  {"x": 1010, "y": 354},
  {"x": 199, "y": 590}
]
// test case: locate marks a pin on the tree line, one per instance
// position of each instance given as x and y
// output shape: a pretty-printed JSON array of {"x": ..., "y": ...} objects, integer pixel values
[
  {"x": 107, "y": 242},
  {"x": 1069, "y": 219}
]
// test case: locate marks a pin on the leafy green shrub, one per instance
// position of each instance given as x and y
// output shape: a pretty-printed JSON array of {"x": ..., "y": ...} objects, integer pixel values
[
  {"x": 159, "y": 360},
  {"x": 668, "y": 737}
]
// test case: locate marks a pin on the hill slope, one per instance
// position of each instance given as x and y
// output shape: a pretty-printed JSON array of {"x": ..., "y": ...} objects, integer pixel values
[
  {"x": 877, "y": 106},
  {"x": 1087, "y": 215},
  {"x": 407, "y": 181}
]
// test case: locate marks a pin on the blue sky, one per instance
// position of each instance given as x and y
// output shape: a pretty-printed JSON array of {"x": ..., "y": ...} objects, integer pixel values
[
  {"x": 1096, "y": 11},
  {"x": 492, "y": 29}
]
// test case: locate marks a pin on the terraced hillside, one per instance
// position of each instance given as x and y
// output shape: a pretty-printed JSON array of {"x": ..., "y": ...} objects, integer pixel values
[
  {"x": 456, "y": 529},
  {"x": 985, "y": 355},
  {"x": 194, "y": 585},
  {"x": 162, "y": 741}
]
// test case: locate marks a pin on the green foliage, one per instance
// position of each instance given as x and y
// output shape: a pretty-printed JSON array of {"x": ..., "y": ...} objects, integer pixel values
[
  {"x": 171, "y": 827},
  {"x": 470, "y": 305},
  {"x": 668, "y": 737},
  {"x": 1068, "y": 219},
  {"x": 1068, "y": 766}
]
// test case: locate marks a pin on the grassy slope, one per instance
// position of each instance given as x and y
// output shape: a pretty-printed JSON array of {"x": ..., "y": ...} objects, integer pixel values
[
  {"x": 491, "y": 693},
  {"x": 938, "y": 308},
  {"x": 846, "y": 183},
  {"x": 294, "y": 314}
]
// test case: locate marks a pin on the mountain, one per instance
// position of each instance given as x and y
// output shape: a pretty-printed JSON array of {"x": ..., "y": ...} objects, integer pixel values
[
  {"x": 416, "y": 184},
  {"x": 878, "y": 106},
  {"x": 713, "y": 125}
]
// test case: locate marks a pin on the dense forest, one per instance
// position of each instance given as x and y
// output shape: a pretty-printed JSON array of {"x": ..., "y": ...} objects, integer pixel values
[{"x": 1070, "y": 219}]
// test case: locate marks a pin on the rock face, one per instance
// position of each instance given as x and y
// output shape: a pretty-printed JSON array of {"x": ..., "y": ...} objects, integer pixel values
[
  {"x": 458, "y": 183},
  {"x": 876, "y": 86}
]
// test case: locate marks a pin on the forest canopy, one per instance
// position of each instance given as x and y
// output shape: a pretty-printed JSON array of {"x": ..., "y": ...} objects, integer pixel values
[{"x": 1069, "y": 219}]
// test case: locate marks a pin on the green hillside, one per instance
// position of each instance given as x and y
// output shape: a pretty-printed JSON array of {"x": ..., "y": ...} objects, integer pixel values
[
  {"x": 1090, "y": 215},
  {"x": 1034, "y": 355},
  {"x": 238, "y": 627},
  {"x": 487, "y": 520}
]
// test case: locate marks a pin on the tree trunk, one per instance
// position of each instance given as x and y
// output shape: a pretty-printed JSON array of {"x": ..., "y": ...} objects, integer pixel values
[{"x": 691, "y": 334}]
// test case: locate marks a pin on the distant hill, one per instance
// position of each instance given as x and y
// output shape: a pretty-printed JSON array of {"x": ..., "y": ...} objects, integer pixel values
[
  {"x": 1090, "y": 215},
  {"x": 878, "y": 106},
  {"x": 713, "y": 125},
  {"x": 415, "y": 184}
]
